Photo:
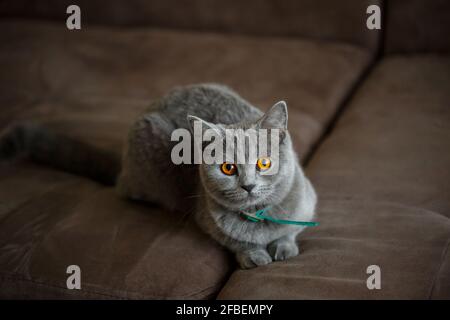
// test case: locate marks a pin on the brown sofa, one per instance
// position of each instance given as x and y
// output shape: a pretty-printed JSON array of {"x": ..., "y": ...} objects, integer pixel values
[{"x": 369, "y": 115}]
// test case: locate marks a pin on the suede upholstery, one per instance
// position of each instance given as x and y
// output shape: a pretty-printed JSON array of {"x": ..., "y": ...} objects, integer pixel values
[
  {"x": 417, "y": 26},
  {"x": 371, "y": 130},
  {"x": 124, "y": 249},
  {"x": 383, "y": 196},
  {"x": 101, "y": 77},
  {"x": 82, "y": 85},
  {"x": 268, "y": 17}
]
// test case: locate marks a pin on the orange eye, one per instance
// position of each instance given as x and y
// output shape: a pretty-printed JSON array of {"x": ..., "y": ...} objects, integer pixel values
[
  {"x": 228, "y": 168},
  {"x": 263, "y": 164}
]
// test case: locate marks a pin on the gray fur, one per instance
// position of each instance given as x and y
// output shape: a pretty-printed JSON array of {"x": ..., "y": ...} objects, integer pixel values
[{"x": 148, "y": 174}]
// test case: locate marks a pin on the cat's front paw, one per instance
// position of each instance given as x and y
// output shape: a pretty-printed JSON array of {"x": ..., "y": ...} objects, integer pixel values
[
  {"x": 253, "y": 258},
  {"x": 282, "y": 250}
]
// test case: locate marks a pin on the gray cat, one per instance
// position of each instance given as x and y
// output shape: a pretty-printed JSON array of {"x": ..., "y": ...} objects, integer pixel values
[{"x": 220, "y": 197}]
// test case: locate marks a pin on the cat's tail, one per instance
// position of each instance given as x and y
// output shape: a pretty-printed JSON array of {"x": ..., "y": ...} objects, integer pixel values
[{"x": 59, "y": 151}]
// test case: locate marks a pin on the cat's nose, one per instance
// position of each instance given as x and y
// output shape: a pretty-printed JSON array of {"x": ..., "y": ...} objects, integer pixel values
[{"x": 248, "y": 187}]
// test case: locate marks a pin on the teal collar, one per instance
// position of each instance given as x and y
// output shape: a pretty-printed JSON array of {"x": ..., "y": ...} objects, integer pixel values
[{"x": 260, "y": 216}]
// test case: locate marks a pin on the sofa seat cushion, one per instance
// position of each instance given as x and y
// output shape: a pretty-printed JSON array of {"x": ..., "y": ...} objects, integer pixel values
[
  {"x": 399, "y": 150},
  {"x": 382, "y": 177},
  {"x": 93, "y": 82},
  {"x": 50, "y": 220},
  {"x": 406, "y": 243}
]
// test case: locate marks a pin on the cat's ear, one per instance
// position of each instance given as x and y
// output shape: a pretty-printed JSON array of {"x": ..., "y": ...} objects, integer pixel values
[
  {"x": 204, "y": 124},
  {"x": 275, "y": 118}
]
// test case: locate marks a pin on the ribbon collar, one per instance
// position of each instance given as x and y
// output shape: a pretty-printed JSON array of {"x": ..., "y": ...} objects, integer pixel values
[{"x": 260, "y": 216}]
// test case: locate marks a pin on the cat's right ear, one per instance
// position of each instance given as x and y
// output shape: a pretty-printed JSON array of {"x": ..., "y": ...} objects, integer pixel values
[{"x": 276, "y": 117}]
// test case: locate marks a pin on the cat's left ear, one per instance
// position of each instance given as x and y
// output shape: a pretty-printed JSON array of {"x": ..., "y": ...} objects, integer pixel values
[
  {"x": 204, "y": 124},
  {"x": 275, "y": 118}
]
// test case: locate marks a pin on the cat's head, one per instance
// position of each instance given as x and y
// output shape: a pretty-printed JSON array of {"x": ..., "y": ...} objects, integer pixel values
[{"x": 260, "y": 181}]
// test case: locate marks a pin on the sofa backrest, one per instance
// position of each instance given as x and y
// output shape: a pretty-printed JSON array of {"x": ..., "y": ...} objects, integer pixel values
[
  {"x": 343, "y": 20},
  {"x": 417, "y": 26}
]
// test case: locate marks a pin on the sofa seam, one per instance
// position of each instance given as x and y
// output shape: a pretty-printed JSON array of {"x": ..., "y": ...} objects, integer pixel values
[
  {"x": 439, "y": 269},
  {"x": 51, "y": 285},
  {"x": 341, "y": 107},
  {"x": 90, "y": 291},
  {"x": 377, "y": 54}
]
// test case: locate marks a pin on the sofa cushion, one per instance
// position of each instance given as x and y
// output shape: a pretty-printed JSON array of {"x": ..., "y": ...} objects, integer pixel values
[
  {"x": 92, "y": 83},
  {"x": 399, "y": 151},
  {"x": 51, "y": 220},
  {"x": 319, "y": 19},
  {"x": 382, "y": 178}
]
